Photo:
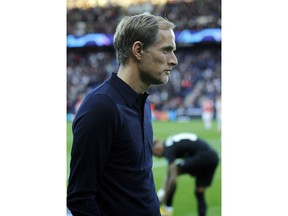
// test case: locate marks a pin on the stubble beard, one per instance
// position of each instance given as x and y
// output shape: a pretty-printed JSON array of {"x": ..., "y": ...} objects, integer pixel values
[{"x": 161, "y": 79}]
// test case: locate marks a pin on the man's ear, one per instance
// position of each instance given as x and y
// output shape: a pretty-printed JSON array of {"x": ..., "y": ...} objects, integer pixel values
[{"x": 137, "y": 49}]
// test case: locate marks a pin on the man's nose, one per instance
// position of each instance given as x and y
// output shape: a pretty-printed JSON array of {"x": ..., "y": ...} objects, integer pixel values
[{"x": 173, "y": 61}]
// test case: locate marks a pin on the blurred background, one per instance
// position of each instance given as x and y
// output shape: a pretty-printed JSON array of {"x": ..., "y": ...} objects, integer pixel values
[
  {"x": 244, "y": 47},
  {"x": 194, "y": 86},
  {"x": 91, "y": 58}
]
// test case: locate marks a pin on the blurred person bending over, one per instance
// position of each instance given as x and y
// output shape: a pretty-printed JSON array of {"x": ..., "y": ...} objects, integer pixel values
[
  {"x": 111, "y": 157},
  {"x": 195, "y": 157}
]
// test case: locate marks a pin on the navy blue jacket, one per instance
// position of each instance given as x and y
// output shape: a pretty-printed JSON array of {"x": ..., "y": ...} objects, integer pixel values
[{"x": 111, "y": 158}]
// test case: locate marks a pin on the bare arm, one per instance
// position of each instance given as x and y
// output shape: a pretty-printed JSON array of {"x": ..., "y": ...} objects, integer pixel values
[{"x": 170, "y": 182}]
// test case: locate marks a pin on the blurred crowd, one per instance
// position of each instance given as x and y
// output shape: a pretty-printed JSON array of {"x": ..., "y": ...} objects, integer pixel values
[
  {"x": 197, "y": 76},
  {"x": 193, "y": 15}
]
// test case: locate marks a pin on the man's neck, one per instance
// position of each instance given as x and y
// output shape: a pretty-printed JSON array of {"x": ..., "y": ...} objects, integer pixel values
[{"x": 131, "y": 77}]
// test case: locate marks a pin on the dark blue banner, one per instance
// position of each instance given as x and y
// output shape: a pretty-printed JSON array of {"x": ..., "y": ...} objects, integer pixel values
[{"x": 182, "y": 37}]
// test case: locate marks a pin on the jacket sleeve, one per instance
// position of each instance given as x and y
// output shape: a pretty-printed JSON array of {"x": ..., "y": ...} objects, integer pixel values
[{"x": 94, "y": 129}]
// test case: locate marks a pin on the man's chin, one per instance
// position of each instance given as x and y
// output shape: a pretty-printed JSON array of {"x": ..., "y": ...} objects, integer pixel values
[
  {"x": 164, "y": 80},
  {"x": 161, "y": 81}
]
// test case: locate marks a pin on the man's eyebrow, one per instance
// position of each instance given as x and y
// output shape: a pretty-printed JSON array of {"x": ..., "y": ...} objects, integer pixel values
[{"x": 169, "y": 48}]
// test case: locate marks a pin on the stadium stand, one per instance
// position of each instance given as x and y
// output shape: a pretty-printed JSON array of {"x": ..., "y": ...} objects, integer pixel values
[
  {"x": 196, "y": 14},
  {"x": 198, "y": 74}
]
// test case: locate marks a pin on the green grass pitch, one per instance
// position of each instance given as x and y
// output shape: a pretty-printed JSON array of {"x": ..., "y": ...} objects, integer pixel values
[{"x": 184, "y": 200}]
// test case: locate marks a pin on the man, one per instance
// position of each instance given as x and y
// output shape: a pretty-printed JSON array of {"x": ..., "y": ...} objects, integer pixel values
[
  {"x": 218, "y": 112},
  {"x": 207, "y": 112},
  {"x": 111, "y": 158},
  {"x": 198, "y": 160}
]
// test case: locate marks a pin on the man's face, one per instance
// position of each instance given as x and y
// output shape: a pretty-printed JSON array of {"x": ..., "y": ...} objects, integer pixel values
[
  {"x": 158, "y": 149},
  {"x": 157, "y": 62}
]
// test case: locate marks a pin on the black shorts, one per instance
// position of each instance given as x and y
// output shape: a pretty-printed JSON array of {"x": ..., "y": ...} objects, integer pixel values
[{"x": 202, "y": 166}]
